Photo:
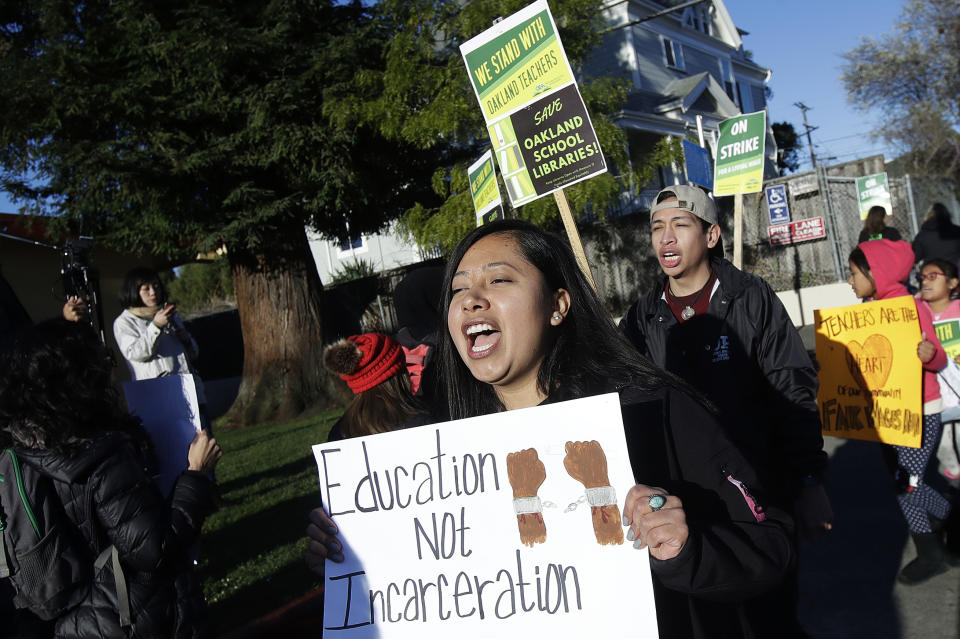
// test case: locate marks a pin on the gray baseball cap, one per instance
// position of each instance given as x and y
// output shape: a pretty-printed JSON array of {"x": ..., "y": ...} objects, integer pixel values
[{"x": 689, "y": 198}]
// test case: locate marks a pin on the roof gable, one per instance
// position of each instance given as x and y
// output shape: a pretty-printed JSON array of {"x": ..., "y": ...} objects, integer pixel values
[{"x": 696, "y": 92}]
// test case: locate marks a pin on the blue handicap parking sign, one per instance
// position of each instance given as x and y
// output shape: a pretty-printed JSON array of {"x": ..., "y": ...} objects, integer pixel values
[{"x": 777, "y": 204}]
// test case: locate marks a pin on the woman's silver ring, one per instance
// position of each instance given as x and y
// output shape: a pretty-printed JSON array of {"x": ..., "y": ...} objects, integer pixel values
[{"x": 656, "y": 502}]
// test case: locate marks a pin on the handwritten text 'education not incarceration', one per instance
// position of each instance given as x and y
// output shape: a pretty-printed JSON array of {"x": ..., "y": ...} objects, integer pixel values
[{"x": 500, "y": 592}]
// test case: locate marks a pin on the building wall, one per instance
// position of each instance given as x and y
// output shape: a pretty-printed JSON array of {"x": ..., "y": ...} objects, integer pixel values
[{"x": 384, "y": 251}]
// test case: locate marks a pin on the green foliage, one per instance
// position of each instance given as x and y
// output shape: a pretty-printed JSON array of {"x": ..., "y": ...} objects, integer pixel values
[
  {"x": 788, "y": 146},
  {"x": 251, "y": 561},
  {"x": 171, "y": 125},
  {"x": 200, "y": 286},
  {"x": 423, "y": 97},
  {"x": 912, "y": 78},
  {"x": 354, "y": 270},
  {"x": 665, "y": 152}
]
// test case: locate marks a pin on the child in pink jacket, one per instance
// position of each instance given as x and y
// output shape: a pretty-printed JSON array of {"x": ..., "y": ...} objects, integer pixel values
[{"x": 878, "y": 270}]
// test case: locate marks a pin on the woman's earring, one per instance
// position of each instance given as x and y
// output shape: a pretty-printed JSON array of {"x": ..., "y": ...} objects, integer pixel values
[{"x": 556, "y": 317}]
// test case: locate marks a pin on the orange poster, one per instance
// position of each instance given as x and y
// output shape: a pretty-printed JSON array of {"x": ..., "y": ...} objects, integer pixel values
[{"x": 870, "y": 376}]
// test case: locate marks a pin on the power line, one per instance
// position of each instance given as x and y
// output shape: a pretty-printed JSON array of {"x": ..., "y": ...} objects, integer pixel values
[{"x": 845, "y": 137}]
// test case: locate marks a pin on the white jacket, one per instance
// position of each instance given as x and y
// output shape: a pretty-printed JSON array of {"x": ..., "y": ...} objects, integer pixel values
[{"x": 153, "y": 352}]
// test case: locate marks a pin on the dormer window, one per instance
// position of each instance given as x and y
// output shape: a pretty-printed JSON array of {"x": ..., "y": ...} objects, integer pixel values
[
  {"x": 672, "y": 54},
  {"x": 698, "y": 18}
]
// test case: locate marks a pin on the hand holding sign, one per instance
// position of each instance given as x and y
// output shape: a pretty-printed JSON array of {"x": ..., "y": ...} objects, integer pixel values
[
  {"x": 323, "y": 541},
  {"x": 925, "y": 349},
  {"x": 665, "y": 530}
]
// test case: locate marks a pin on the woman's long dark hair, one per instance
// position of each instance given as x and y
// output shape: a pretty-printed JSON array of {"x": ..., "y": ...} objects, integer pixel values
[
  {"x": 55, "y": 390},
  {"x": 859, "y": 259},
  {"x": 589, "y": 354},
  {"x": 874, "y": 224},
  {"x": 133, "y": 280}
]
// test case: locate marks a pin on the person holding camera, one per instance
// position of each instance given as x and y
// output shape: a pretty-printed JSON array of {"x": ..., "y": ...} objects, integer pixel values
[{"x": 149, "y": 332}]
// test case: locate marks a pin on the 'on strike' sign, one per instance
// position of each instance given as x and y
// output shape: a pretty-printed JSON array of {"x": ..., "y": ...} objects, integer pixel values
[
  {"x": 739, "y": 166},
  {"x": 502, "y": 524}
]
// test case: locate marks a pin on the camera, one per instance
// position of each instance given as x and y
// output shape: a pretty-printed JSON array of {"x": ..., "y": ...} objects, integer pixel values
[{"x": 81, "y": 280}]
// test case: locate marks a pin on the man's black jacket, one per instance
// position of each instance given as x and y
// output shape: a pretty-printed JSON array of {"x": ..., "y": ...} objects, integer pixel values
[{"x": 745, "y": 355}]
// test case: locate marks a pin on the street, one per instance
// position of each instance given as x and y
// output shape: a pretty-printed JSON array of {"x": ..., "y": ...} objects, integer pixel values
[{"x": 848, "y": 580}]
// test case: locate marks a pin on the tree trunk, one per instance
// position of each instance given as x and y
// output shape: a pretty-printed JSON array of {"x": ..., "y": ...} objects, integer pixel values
[{"x": 279, "y": 301}]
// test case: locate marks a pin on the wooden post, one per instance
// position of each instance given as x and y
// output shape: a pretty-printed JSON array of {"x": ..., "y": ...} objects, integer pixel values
[
  {"x": 573, "y": 235},
  {"x": 738, "y": 230}
]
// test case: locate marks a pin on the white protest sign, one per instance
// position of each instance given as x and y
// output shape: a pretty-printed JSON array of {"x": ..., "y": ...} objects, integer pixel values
[
  {"x": 170, "y": 413},
  {"x": 502, "y": 524}
]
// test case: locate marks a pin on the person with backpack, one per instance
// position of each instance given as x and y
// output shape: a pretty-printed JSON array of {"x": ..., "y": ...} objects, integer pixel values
[{"x": 109, "y": 553}]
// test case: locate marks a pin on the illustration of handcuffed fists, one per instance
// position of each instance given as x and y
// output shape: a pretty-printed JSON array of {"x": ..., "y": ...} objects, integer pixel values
[
  {"x": 656, "y": 520},
  {"x": 527, "y": 474},
  {"x": 587, "y": 463}
]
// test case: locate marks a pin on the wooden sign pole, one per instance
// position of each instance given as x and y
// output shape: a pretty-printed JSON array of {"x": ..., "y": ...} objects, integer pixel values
[
  {"x": 573, "y": 235},
  {"x": 738, "y": 230}
]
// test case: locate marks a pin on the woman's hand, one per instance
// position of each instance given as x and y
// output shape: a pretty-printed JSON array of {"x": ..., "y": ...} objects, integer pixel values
[
  {"x": 75, "y": 309},
  {"x": 663, "y": 530},
  {"x": 925, "y": 349},
  {"x": 204, "y": 453},
  {"x": 323, "y": 541},
  {"x": 162, "y": 318}
]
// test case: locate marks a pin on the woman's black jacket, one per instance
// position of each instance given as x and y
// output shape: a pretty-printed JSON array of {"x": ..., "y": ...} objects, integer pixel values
[
  {"x": 108, "y": 494},
  {"x": 739, "y": 546}
]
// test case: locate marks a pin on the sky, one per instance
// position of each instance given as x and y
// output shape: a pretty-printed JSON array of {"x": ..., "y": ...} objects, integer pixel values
[{"x": 802, "y": 44}]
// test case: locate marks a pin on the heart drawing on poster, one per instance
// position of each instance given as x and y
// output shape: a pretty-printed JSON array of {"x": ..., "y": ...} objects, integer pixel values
[{"x": 871, "y": 362}]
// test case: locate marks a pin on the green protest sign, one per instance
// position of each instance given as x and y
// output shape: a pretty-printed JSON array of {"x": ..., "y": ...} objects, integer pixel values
[
  {"x": 739, "y": 165},
  {"x": 948, "y": 332},
  {"x": 484, "y": 189},
  {"x": 542, "y": 136},
  {"x": 516, "y": 60},
  {"x": 872, "y": 191}
]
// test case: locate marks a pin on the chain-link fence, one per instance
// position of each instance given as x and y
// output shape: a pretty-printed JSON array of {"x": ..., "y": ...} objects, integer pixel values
[
  {"x": 835, "y": 199},
  {"x": 624, "y": 264}
]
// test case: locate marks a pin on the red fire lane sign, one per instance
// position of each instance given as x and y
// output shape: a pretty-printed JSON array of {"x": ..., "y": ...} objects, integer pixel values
[{"x": 799, "y": 231}]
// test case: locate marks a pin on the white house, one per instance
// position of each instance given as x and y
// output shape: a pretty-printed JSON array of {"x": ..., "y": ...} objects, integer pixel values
[{"x": 384, "y": 251}]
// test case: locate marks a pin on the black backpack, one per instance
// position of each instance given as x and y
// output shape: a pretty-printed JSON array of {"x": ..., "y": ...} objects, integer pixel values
[{"x": 49, "y": 565}]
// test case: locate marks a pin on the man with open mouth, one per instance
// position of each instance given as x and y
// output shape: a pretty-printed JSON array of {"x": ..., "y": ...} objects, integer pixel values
[{"x": 727, "y": 334}]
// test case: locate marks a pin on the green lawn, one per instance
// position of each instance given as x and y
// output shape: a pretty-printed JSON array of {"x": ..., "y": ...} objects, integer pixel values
[{"x": 252, "y": 548}]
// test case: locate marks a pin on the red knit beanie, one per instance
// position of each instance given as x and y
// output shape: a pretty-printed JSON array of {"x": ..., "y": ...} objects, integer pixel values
[{"x": 363, "y": 361}]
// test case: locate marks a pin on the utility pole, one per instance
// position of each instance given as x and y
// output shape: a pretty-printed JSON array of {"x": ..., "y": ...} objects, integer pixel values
[{"x": 803, "y": 107}]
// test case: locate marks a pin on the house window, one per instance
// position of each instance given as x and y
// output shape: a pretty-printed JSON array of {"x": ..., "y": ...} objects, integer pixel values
[
  {"x": 698, "y": 19},
  {"x": 746, "y": 99},
  {"x": 673, "y": 54},
  {"x": 729, "y": 82},
  {"x": 352, "y": 246}
]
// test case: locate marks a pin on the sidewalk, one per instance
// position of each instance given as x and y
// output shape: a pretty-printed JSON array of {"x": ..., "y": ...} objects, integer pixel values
[{"x": 848, "y": 580}]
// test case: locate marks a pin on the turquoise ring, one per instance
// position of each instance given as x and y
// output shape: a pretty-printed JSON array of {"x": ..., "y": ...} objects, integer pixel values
[{"x": 656, "y": 502}]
